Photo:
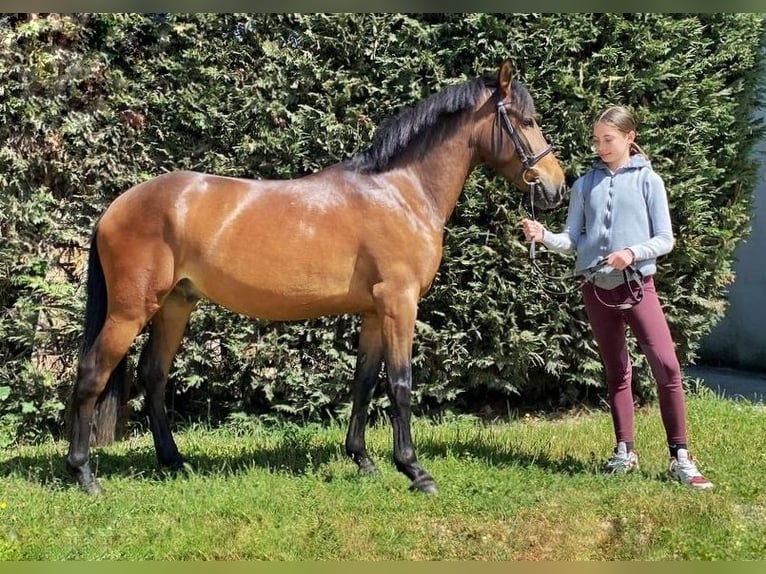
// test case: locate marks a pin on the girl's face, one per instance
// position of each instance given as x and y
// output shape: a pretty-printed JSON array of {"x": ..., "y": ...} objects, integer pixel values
[{"x": 612, "y": 145}]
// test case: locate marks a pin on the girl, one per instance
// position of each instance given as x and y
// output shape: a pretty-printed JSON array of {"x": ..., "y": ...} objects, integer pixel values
[{"x": 619, "y": 223}]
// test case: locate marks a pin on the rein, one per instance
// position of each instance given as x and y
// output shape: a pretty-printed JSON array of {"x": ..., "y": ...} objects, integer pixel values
[
  {"x": 528, "y": 161},
  {"x": 629, "y": 273},
  {"x": 538, "y": 271}
]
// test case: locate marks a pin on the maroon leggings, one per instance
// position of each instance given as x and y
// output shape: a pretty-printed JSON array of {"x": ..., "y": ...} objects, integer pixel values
[{"x": 648, "y": 323}]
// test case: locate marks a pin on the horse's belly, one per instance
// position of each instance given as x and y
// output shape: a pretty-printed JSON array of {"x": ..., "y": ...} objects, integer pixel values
[{"x": 280, "y": 292}]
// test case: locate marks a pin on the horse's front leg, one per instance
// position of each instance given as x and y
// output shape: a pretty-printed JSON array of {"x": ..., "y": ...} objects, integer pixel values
[
  {"x": 398, "y": 311},
  {"x": 368, "y": 361}
]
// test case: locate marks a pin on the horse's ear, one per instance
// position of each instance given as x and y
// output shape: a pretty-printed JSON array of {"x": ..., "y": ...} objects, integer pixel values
[{"x": 504, "y": 78}]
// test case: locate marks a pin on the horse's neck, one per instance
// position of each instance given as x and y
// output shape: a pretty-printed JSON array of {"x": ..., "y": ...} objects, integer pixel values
[{"x": 444, "y": 171}]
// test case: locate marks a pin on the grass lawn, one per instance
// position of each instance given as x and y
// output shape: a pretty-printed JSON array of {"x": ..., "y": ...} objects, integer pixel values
[{"x": 526, "y": 489}]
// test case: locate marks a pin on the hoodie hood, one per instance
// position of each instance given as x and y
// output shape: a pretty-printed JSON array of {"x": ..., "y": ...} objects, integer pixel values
[{"x": 637, "y": 161}]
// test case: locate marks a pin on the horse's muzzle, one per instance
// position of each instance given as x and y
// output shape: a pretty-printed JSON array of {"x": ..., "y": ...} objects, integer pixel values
[{"x": 547, "y": 195}]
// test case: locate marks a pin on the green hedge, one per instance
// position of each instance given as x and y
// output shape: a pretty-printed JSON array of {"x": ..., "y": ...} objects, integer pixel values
[{"x": 93, "y": 103}]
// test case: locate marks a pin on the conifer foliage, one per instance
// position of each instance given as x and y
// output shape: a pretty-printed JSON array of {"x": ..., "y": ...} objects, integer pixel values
[{"x": 91, "y": 104}]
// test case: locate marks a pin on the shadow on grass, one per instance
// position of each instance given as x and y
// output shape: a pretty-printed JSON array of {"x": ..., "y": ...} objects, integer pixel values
[
  {"x": 49, "y": 469},
  {"x": 294, "y": 455},
  {"x": 494, "y": 457}
]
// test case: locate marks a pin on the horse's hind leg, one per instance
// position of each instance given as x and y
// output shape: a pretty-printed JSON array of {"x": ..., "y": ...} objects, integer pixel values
[
  {"x": 109, "y": 348},
  {"x": 368, "y": 361},
  {"x": 167, "y": 330}
]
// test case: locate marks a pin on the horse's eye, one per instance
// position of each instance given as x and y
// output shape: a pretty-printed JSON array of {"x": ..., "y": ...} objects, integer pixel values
[{"x": 528, "y": 122}]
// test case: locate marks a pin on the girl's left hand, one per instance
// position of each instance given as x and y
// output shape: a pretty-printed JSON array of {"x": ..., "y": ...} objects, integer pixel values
[{"x": 620, "y": 259}]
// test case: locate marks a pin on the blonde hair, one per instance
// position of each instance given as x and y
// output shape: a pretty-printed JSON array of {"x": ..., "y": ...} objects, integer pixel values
[{"x": 620, "y": 118}]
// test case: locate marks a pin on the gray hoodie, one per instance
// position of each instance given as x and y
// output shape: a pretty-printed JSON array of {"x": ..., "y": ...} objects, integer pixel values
[{"x": 611, "y": 211}]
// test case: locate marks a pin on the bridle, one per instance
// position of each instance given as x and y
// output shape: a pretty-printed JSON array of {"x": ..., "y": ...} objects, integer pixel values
[{"x": 528, "y": 161}]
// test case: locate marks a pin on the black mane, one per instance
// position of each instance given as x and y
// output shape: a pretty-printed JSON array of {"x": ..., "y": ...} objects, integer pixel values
[{"x": 429, "y": 122}]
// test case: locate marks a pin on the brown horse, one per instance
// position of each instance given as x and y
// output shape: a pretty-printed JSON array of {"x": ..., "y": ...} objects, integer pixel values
[{"x": 363, "y": 236}]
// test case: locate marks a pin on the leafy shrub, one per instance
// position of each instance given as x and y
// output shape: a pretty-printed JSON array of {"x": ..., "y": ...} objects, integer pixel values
[{"x": 95, "y": 103}]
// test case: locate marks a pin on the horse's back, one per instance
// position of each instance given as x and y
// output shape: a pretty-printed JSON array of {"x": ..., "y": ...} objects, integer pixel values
[{"x": 166, "y": 195}]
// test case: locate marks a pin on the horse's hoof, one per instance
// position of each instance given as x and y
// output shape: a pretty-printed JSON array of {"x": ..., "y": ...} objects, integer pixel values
[
  {"x": 172, "y": 463},
  {"x": 92, "y": 488},
  {"x": 86, "y": 480},
  {"x": 424, "y": 484},
  {"x": 367, "y": 468},
  {"x": 179, "y": 469}
]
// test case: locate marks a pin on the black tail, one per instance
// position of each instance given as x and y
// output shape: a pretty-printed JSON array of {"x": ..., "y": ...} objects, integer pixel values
[{"x": 111, "y": 405}]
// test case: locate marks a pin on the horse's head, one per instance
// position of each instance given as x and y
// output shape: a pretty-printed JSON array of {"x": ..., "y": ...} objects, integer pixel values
[{"x": 511, "y": 141}]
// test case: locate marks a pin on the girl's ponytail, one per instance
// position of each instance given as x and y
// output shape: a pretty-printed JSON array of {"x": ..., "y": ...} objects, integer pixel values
[{"x": 635, "y": 149}]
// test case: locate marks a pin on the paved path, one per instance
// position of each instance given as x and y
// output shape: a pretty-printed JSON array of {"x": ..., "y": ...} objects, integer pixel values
[{"x": 730, "y": 383}]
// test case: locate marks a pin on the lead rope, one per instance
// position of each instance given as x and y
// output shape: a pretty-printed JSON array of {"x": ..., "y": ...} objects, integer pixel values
[
  {"x": 538, "y": 271},
  {"x": 636, "y": 295}
]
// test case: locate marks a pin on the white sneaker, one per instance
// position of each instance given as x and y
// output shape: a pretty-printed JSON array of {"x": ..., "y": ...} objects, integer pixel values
[
  {"x": 684, "y": 470},
  {"x": 622, "y": 461}
]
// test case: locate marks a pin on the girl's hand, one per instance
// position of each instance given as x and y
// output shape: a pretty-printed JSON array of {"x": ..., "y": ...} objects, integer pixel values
[
  {"x": 533, "y": 230},
  {"x": 620, "y": 259}
]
